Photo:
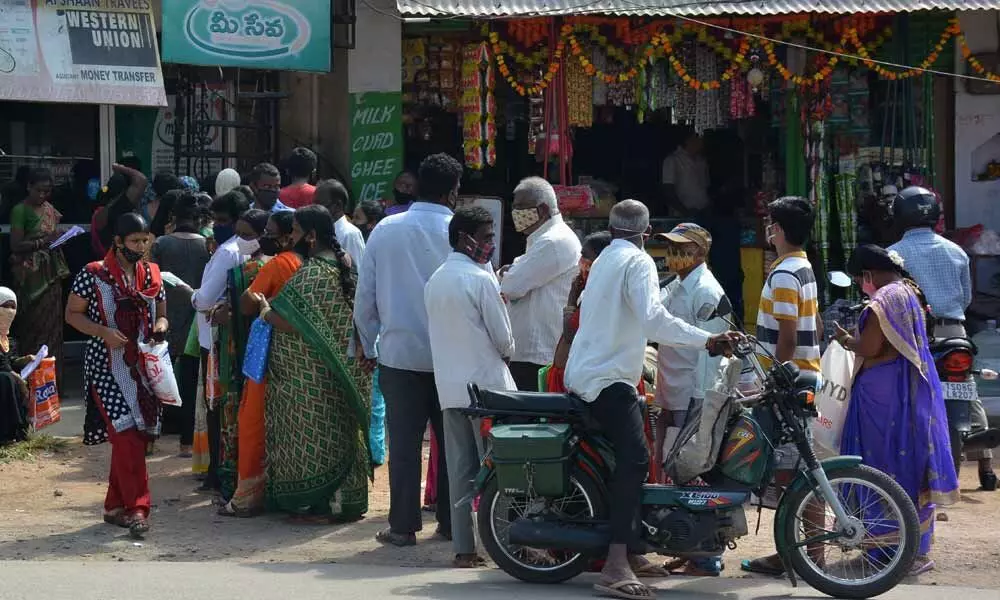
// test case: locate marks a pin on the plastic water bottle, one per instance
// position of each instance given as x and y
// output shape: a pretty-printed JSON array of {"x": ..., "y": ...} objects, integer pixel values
[{"x": 988, "y": 342}]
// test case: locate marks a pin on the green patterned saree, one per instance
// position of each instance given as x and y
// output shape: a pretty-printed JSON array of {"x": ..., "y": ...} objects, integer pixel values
[{"x": 318, "y": 401}]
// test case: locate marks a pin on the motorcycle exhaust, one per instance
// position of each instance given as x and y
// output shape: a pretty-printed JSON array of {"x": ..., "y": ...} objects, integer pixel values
[{"x": 560, "y": 536}]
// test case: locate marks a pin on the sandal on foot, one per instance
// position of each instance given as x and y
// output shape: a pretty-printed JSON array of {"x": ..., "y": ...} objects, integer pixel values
[
  {"x": 683, "y": 567},
  {"x": 762, "y": 566},
  {"x": 389, "y": 537},
  {"x": 468, "y": 561},
  {"x": 650, "y": 570},
  {"x": 230, "y": 510},
  {"x": 138, "y": 526},
  {"x": 627, "y": 589},
  {"x": 921, "y": 566},
  {"x": 116, "y": 518}
]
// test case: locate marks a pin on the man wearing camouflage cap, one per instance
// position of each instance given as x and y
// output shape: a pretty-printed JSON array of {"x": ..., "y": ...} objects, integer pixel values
[{"x": 683, "y": 373}]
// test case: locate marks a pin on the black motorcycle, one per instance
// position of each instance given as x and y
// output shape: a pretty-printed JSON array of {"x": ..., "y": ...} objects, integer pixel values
[{"x": 543, "y": 489}]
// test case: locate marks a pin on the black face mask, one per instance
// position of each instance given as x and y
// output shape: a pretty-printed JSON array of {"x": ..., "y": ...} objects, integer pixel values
[
  {"x": 266, "y": 198},
  {"x": 269, "y": 246},
  {"x": 130, "y": 255},
  {"x": 302, "y": 248},
  {"x": 403, "y": 197}
]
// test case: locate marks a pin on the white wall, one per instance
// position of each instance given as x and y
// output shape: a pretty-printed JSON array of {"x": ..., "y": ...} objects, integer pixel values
[
  {"x": 375, "y": 63},
  {"x": 977, "y": 125}
]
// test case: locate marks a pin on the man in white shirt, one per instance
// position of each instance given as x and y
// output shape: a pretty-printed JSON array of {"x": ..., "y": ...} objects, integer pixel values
[
  {"x": 402, "y": 254},
  {"x": 684, "y": 373},
  {"x": 537, "y": 284},
  {"x": 620, "y": 310},
  {"x": 471, "y": 342},
  {"x": 226, "y": 210},
  {"x": 334, "y": 196},
  {"x": 685, "y": 176}
]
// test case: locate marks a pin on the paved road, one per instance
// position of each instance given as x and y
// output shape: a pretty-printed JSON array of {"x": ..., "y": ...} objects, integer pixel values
[{"x": 198, "y": 581}]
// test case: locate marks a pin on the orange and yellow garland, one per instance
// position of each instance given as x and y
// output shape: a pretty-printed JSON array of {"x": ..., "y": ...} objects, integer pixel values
[{"x": 662, "y": 44}]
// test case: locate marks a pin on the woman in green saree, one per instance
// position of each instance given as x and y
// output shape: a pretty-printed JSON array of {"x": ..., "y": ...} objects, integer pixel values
[
  {"x": 318, "y": 394},
  {"x": 234, "y": 328},
  {"x": 38, "y": 272}
]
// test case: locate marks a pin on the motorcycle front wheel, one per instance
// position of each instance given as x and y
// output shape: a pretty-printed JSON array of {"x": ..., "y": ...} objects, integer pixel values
[
  {"x": 873, "y": 560},
  {"x": 497, "y": 511}
]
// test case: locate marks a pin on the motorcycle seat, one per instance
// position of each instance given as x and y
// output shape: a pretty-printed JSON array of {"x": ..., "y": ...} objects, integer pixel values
[
  {"x": 938, "y": 345},
  {"x": 529, "y": 402}
]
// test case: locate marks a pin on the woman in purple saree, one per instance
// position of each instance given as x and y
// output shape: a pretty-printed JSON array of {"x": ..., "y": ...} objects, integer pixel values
[{"x": 896, "y": 418}]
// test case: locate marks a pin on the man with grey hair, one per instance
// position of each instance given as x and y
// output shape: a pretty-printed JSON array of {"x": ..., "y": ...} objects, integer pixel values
[
  {"x": 620, "y": 310},
  {"x": 537, "y": 284}
]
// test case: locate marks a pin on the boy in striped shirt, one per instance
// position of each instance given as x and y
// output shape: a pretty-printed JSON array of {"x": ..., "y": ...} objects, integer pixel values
[
  {"x": 788, "y": 322},
  {"x": 789, "y": 326}
]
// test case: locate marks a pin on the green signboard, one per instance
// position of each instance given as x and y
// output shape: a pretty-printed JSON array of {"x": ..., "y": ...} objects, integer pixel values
[
  {"x": 376, "y": 144},
  {"x": 259, "y": 34}
]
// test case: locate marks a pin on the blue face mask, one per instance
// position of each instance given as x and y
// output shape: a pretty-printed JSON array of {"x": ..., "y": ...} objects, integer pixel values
[{"x": 223, "y": 233}]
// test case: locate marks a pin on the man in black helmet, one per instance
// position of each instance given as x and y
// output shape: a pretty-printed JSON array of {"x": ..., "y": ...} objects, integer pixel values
[{"x": 941, "y": 269}]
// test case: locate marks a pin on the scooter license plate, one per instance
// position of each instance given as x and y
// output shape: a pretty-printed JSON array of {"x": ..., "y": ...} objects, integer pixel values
[{"x": 965, "y": 390}]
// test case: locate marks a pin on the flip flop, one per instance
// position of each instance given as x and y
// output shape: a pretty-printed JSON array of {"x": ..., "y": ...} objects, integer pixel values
[
  {"x": 683, "y": 567},
  {"x": 617, "y": 590},
  {"x": 760, "y": 567},
  {"x": 925, "y": 567},
  {"x": 650, "y": 570},
  {"x": 468, "y": 561}
]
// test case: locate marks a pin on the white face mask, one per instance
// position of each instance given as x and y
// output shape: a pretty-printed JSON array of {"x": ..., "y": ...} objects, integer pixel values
[
  {"x": 247, "y": 247},
  {"x": 768, "y": 235}
]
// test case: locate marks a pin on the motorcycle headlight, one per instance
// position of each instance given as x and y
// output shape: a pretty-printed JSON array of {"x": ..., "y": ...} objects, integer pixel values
[{"x": 807, "y": 385}]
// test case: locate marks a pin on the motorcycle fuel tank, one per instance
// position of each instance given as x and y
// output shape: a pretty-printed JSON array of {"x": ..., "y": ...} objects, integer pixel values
[{"x": 694, "y": 499}]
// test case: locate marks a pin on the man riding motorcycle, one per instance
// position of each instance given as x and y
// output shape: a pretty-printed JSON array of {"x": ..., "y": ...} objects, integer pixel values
[{"x": 937, "y": 264}]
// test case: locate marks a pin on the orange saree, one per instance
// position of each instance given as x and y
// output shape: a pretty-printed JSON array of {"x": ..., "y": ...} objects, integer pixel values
[{"x": 251, "y": 466}]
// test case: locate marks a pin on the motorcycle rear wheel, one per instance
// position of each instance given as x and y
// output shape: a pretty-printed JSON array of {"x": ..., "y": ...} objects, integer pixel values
[
  {"x": 903, "y": 546},
  {"x": 495, "y": 508}
]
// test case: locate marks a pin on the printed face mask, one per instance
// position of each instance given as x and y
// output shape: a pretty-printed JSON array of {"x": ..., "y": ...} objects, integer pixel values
[
  {"x": 480, "y": 253},
  {"x": 680, "y": 260},
  {"x": 524, "y": 218}
]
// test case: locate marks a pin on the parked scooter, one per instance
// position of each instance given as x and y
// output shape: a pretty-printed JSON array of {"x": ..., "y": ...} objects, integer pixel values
[
  {"x": 953, "y": 359},
  {"x": 543, "y": 488}
]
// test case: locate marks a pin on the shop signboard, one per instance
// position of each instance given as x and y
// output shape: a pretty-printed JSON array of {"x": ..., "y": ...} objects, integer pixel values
[
  {"x": 80, "y": 51},
  {"x": 289, "y": 35},
  {"x": 376, "y": 144}
]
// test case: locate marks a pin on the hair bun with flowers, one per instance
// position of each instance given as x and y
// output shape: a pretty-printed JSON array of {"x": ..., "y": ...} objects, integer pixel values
[{"x": 896, "y": 258}]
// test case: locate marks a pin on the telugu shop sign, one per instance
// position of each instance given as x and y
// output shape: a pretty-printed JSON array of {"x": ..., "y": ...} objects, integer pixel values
[{"x": 261, "y": 34}]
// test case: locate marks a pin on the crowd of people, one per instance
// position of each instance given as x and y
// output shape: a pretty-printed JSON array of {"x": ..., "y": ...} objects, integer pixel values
[{"x": 367, "y": 327}]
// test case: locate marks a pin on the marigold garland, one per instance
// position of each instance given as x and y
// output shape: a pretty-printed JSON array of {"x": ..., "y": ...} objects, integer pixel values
[
  {"x": 694, "y": 83},
  {"x": 662, "y": 44},
  {"x": 952, "y": 30},
  {"x": 540, "y": 85},
  {"x": 974, "y": 62}
]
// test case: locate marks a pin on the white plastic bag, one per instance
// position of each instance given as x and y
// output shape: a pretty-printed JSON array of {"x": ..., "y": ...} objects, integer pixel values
[
  {"x": 159, "y": 373},
  {"x": 837, "y": 366}
]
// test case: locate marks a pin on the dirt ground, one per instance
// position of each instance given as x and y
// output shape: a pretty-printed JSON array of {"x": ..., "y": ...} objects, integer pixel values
[{"x": 51, "y": 509}]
